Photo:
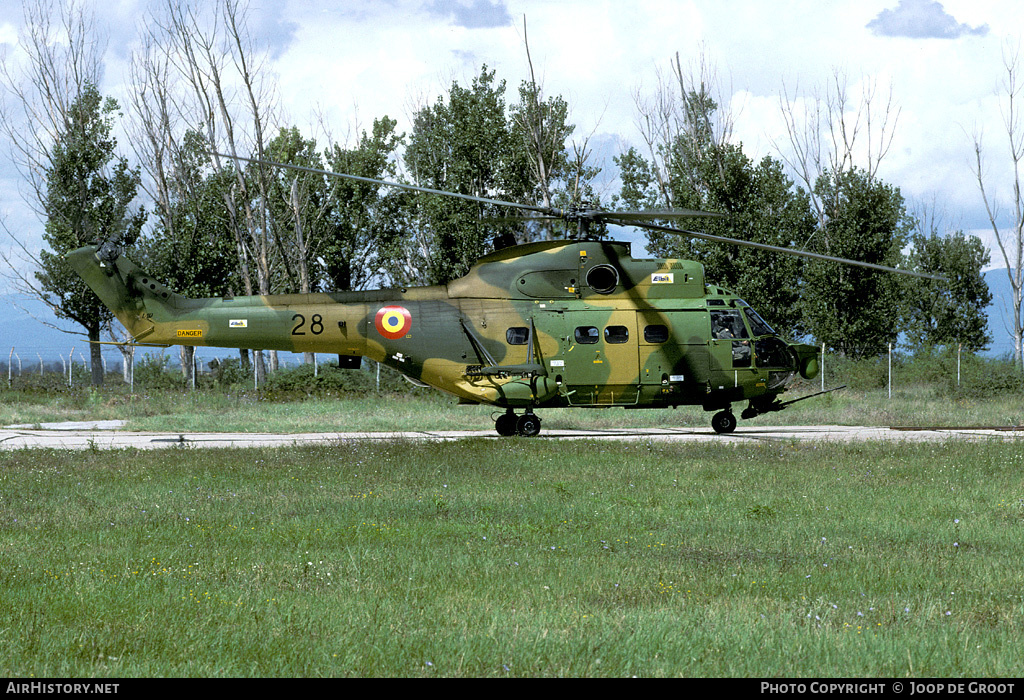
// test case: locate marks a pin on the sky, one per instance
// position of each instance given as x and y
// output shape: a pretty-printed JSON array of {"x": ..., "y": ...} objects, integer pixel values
[{"x": 351, "y": 61}]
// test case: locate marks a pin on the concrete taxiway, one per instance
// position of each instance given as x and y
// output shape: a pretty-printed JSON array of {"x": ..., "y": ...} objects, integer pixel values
[{"x": 110, "y": 435}]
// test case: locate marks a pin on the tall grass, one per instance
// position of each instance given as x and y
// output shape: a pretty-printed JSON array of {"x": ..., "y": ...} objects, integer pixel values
[{"x": 514, "y": 558}]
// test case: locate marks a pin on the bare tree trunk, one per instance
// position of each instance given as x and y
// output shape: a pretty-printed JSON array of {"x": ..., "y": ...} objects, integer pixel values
[
  {"x": 95, "y": 355},
  {"x": 1009, "y": 238},
  {"x": 187, "y": 355},
  {"x": 668, "y": 116},
  {"x": 828, "y": 136},
  {"x": 64, "y": 51}
]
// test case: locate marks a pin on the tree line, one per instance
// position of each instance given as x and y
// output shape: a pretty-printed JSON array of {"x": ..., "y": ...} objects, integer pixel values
[{"x": 210, "y": 225}]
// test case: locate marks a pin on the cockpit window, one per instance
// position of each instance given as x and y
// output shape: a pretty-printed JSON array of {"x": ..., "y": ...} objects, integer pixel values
[
  {"x": 773, "y": 352},
  {"x": 728, "y": 324},
  {"x": 757, "y": 324}
]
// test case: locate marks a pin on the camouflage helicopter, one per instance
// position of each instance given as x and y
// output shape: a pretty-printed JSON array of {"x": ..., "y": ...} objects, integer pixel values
[{"x": 565, "y": 323}]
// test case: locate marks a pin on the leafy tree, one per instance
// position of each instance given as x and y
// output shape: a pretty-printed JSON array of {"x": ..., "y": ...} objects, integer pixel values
[
  {"x": 703, "y": 172},
  {"x": 191, "y": 246},
  {"x": 541, "y": 128},
  {"x": 89, "y": 192},
  {"x": 953, "y": 311},
  {"x": 463, "y": 145},
  {"x": 363, "y": 217},
  {"x": 298, "y": 204},
  {"x": 854, "y": 310}
]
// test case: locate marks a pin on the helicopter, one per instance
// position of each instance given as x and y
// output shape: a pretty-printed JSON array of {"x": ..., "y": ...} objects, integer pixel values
[{"x": 573, "y": 323}]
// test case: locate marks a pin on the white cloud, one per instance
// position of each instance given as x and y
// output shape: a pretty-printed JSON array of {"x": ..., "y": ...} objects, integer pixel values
[
  {"x": 922, "y": 19},
  {"x": 8, "y": 34},
  {"x": 362, "y": 59}
]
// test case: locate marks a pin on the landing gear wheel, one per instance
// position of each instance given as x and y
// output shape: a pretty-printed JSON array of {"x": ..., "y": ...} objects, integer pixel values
[
  {"x": 528, "y": 425},
  {"x": 724, "y": 422},
  {"x": 506, "y": 424}
]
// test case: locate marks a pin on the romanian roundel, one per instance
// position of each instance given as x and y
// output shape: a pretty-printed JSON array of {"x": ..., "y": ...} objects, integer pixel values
[{"x": 393, "y": 322}]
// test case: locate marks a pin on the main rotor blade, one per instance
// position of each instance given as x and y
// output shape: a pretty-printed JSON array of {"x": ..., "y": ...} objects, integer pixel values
[
  {"x": 387, "y": 183},
  {"x": 649, "y": 214},
  {"x": 778, "y": 249},
  {"x": 547, "y": 212}
]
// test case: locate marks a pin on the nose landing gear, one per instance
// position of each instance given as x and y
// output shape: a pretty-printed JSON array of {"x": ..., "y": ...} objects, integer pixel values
[{"x": 724, "y": 422}]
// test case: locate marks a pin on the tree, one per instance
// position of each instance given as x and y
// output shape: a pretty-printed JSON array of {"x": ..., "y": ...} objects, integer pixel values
[
  {"x": 683, "y": 125},
  {"x": 216, "y": 86},
  {"x": 59, "y": 129},
  {"x": 89, "y": 194},
  {"x": 1009, "y": 230},
  {"x": 834, "y": 133},
  {"x": 700, "y": 170},
  {"x": 364, "y": 218},
  {"x": 463, "y": 145},
  {"x": 854, "y": 310},
  {"x": 190, "y": 247},
  {"x": 542, "y": 128},
  {"x": 951, "y": 311}
]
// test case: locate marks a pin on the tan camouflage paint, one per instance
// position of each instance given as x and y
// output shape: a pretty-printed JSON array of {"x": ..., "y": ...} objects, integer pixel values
[{"x": 455, "y": 337}]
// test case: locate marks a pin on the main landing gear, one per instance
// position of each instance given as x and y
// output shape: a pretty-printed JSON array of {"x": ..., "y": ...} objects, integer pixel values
[{"x": 508, "y": 424}]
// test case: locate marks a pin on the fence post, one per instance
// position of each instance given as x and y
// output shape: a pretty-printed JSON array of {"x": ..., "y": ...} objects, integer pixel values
[
  {"x": 890, "y": 370},
  {"x": 823, "y": 366},
  {"x": 9, "y": 357},
  {"x": 959, "y": 346}
]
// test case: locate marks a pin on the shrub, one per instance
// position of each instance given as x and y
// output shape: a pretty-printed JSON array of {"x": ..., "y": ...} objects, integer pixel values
[{"x": 153, "y": 372}]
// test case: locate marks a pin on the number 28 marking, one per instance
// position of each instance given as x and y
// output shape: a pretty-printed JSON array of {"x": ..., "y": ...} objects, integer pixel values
[{"x": 316, "y": 326}]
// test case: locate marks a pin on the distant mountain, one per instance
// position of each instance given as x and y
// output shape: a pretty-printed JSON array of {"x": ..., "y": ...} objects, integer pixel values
[
  {"x": 1000, "y": 315},
  {"x": 22, "y": 328}
]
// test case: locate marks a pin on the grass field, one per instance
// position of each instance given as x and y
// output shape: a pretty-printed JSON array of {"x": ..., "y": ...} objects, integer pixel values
[
  {"x": 514, "y": 558},
  {"x": 178, "y": 410}
]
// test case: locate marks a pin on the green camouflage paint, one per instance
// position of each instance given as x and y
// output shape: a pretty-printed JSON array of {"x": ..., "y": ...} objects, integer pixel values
[{"x": 561, "y": 323}]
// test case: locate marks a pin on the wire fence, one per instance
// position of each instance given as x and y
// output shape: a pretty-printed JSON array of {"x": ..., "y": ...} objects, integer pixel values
[
  {"x": 892, "y": 371},
  {"x": 76, "y": 367},
  {"x": 211, "y": 368}
]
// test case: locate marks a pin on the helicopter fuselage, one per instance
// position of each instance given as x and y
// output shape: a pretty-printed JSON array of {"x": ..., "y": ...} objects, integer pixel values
[{"x": 551, "y": 324}]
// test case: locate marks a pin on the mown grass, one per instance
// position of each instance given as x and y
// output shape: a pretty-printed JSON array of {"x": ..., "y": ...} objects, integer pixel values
[
  {"x": 929, "y": 389},
  {"x": 179, "y": 410},
  {"x": 518, "y": 558}
]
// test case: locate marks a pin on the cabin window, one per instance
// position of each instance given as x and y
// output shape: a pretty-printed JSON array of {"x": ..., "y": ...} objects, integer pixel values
[
  {"x": 517, "y": 335},
  {"x": 656, "y": 333},
  {"x": 587, "y": 335},
  {"x": 616, "y": 334}
]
